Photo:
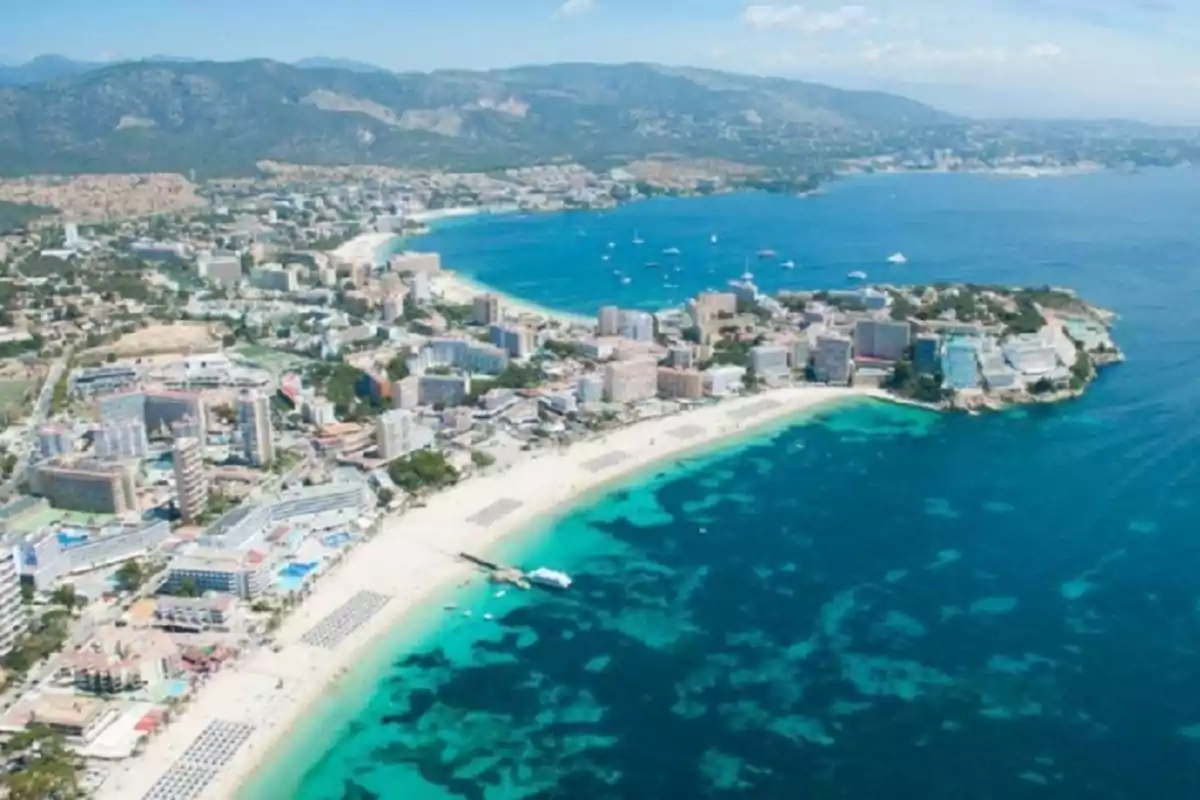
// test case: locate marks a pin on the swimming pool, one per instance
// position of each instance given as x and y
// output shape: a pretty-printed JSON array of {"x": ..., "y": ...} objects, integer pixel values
[{"x": 335, "y": 539}]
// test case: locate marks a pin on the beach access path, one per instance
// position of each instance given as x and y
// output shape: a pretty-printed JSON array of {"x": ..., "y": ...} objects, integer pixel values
[{"x": 247, "y": 709}]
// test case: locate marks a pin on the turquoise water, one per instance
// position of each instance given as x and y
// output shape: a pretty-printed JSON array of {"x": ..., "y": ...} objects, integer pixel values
[{"x": 879, "y": 602}]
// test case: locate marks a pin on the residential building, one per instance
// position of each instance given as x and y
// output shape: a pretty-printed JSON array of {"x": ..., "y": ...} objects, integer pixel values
[
  {"x": 53, "y": 552},
  {"x": 960, "y": 363},
  {"x": 687, "y": 384},
  {"x": 630, "y": 381},
  {"x": 800, "y": 354},
  {"x": 681, "y": 356},
  {"x": 275, "y": 278},
  {"x": 637, "y": 325},
  {"x": 833, "y": 361},
  {"x": 885, "y": 340},
  {"x": 724, "y": 380},
  {"x": 420, "y": 290},
  {"x": 14, "y": 619},
  {"x": 327, "y": 506},
  {"x": 224, "y": 269},
  {"x": 122, "y": 659},
  {"x": 109, "y": 378},
  {"x": 1032, "y": 354},
  {"x": 416, "y": 263},
  {"x": 444, "y": 390},
  {"x": 164, "y": 409},
  {"x": 121, "y": 438},
  {"x": 79, "y": 719},
  {"x": 55, "y": 440},
  {"x": 238, "y": 572},
  {"x": 195, "y": 614},
  {"x": 926, "y": 353},
  {"x": 398, "y": 433},
  {"x": 590, "y": 388},
  {"x": 86, "y": 484},
  {"x": 188, "y": 428},
  {"x": 191, "y": 484},
  {"x": 486, "y": 309},
  {"x": 609, "y": 321},
  {"x": 254, "y": 422},
  {"x": 516, "y": 340},
  {"x": 769, "y": 361},
  {"x": 714, "y": 304},
  {"x": 392, "y": 307},
  {"x": 319, "y": 411},
  {"x": 406, "y": 392}
]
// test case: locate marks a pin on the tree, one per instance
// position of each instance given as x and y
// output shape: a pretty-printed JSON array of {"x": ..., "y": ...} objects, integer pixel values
[
  {"x": 66, "y": 597},
  {"x": 422, "y": 469},
  {"x": 482, "y": 459},
  {"x": 397, "y": 368},
  {"x": 130, "y": 576},
  {"x": 188, "y": 588},
  {"x": 385, "y": 496}
]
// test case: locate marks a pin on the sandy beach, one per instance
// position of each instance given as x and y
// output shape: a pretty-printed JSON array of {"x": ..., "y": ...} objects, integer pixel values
[
  {"x": 411, "y": 559},
  {"x": 366, "y": 248},
  {"x": 455, "y": 288}
]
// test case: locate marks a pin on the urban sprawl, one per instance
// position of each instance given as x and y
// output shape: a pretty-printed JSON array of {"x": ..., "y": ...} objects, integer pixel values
[{"x": 209, "y": 407}]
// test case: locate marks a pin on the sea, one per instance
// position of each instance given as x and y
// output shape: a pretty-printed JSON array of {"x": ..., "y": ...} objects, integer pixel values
[{"x": 870, "y": 601}]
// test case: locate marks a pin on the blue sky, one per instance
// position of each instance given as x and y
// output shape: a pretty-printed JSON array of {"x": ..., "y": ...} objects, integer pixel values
[{"x": 1135, "y": 58}]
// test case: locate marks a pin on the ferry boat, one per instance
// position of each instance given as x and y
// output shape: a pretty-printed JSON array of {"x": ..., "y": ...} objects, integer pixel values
[
  {"x": 765, "y": 253},
  {"x": 550, "y": 578},
  {"x": 897, "y": 258}
]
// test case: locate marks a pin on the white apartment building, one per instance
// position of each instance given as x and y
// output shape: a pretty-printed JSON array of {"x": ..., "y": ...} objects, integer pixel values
[
  {"x": 254, "y": 421},
  {"x": 191, "y": 484},
  {"x": 122, "y": 438},
  {"x": 13, "y": 618},
  {"x": 398, "y": 433},
  {"x": 630, "y": 381}
]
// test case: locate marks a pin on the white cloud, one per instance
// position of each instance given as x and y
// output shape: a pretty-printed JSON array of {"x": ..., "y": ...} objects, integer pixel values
[
  {"x": 799, "y": 18},
  {"x": 917, "y": 52},
  {"x": 1043, "y": 50},
  {"x": 574, "y": 8}
]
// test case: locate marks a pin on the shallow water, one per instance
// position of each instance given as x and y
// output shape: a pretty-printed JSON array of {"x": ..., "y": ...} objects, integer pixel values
[{"x": 880, "y": 602}]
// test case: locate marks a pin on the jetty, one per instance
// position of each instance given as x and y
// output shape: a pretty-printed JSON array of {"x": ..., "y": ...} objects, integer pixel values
[{"x": 499, "y": 573}]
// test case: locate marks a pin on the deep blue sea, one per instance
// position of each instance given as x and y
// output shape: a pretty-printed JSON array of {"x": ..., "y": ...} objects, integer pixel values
[{"x": 875, "y": 602}]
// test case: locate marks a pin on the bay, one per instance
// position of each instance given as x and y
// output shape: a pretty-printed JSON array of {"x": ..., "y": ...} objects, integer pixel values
[{"x": 875, "y": 602}]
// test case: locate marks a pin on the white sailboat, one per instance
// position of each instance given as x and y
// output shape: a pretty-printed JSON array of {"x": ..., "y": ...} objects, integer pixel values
[
  {"x": 713, "y": 239},
  {"x": 897, "y": 258},
  {"x": 637, "y": 239}
]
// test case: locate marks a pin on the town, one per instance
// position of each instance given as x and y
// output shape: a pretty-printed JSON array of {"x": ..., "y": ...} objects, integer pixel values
[{"x": 209, "y": 408}]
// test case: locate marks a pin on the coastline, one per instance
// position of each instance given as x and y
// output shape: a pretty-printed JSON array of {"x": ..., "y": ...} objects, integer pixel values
[
  {"x": 457, "y": 288},
  {"x": 414, "y": 558}
]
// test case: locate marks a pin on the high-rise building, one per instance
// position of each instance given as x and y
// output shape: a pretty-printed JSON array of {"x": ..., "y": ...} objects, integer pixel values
[
  {"x": 769, "y": 361},
  {"x": 637, "y": 325},
  {"x": 392, "y": 307},
  {"x": 121, "y": 438},
  {"x": 960, "y": 363},
  {"x": 420, "y": 290},
  {"x": 86, "y": 484},
  {"x": 443, "y": 390},
  {"x": 800, "y": 354},
  {"x": 70, "y": 235},
  {"x": 398, "y": 433},
  {"x": 882, "y": 339},
  {"x": 609, "y": 320},
  {"x": 713, "y": 304},
  {"x": 486, "y": 309},
  {"x": 517, "y": 340},
  {"x": 13, "y": 617},
  {"x": 681, "y": 356},
  {"x": 631, "y": 381},
  {"x": 832, "y": 363},
  {"x": 164, "y": 409},
  {"x": 406, "y": 392},
  {"x": 191, "y": 484},
  {"x": 55, "y": 440},
  {"x": 254, "y": 422},
  {"x": 680, "y": 383},
  {"x": 926, "y": 349},
  {"x": 590, "y": 388}
]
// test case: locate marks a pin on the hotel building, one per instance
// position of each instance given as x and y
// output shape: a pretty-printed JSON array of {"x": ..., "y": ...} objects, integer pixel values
[
  {"x": 191, "y": 484},
  {"x": 631, "y": 381},
  {"x": 685, "y": 384},
  {"x": 254, "y": 422},
  {"x": 86, "y": 484}
]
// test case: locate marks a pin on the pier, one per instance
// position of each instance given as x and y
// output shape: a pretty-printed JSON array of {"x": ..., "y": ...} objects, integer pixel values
[{"x": 499, "y": 573}]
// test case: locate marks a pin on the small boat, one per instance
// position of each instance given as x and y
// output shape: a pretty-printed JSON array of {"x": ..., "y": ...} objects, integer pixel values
[
  {"x": 604, "y": 257},
  {"x": 451, "y": 607},
  {"x": 670, "y": 285},
  {"x": 670, "y": 251},
  {"x": 467, "y": 613},
  {"x": 766, "y": 254},
  {"x": 897, "y": 258},
  {"x": 612, "y": 245},
  {"x": 626, "y": 280},
  {"x": 789, "y": 264},
  {"x": 651, "y": 264},
  {"x": 857, "y": 275},
  {"x": 712, "y": 239},
  {"x": 550, "y": 578},
  {"x": 488, "y": 616},
  {"x": 500, "y": 593},
  {"x": 637, "y": 239}
]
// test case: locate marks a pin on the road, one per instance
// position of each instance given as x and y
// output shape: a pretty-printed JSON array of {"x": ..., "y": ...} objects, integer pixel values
[{"x": 41, "y": 410}]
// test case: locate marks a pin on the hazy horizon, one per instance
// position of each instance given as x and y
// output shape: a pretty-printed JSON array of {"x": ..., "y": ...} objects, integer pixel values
[{"x": 991, "y": 58}]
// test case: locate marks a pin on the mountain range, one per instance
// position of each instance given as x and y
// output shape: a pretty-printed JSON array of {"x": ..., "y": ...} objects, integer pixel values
[{"x": 220, "y": 118}]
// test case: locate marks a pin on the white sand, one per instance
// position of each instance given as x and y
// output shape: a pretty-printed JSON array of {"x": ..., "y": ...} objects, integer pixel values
[
  {"x": 455, "y": 288},
  {"x": 412, "y": 558},
  {"x": 364, "y": 248}
]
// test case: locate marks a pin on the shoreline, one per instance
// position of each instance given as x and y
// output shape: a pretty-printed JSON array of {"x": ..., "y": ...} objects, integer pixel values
[
  {"x": 457, "y": 288},
  {"x": 411, "y": 563}
]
